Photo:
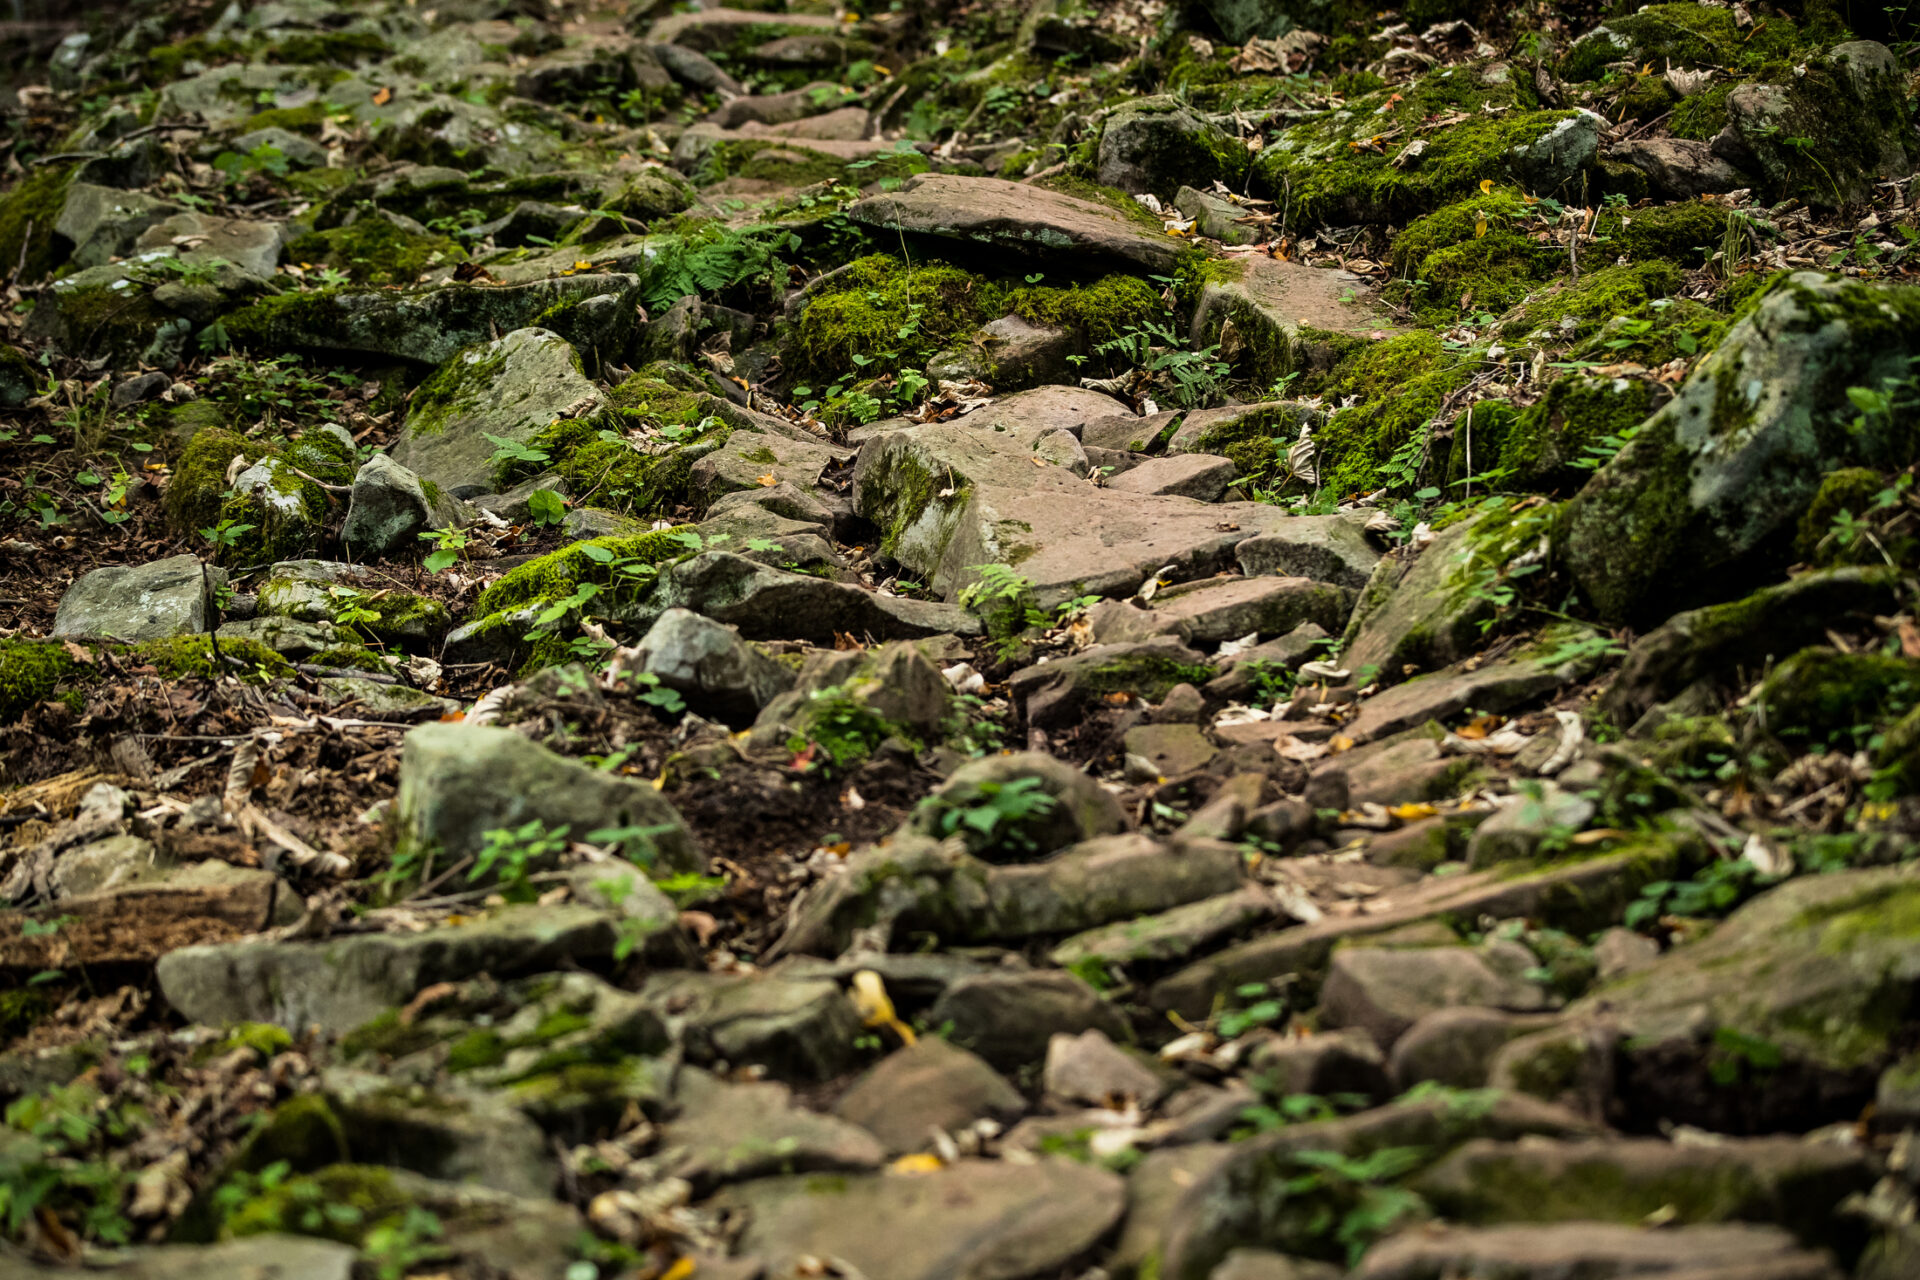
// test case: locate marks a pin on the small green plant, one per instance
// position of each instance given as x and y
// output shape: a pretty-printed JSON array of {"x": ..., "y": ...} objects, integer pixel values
[
  {"x": 1342, "y": 1197},
  {"x": 1261, "y": 1008},
  {"x": 449, "y": 549},
  {"x": 1273, "y": 683},
  {"x": 513, "y": 452},
  {"x": 513, "y": 851},
  {"x": 544, "y": 506},
  {"x": 226, "y": 535},
  {"x": 1738, "y": 1057},
  {"x": 993, "y": 815}
]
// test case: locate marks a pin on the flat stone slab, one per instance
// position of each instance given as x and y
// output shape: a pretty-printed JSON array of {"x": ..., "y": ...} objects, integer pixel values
[
  {"x": 748, "y": 457},
  {"x": 1280, "y": 311},
  {"x": 976, "y": 1220},
  {"x": 1013, "y": 215}
]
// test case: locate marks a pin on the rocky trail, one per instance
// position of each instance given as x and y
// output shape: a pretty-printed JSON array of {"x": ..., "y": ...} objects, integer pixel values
[{"x": 992, "y": 640}]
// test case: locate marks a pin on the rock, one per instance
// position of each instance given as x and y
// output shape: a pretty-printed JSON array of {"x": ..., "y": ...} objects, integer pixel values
[
  {"x": 1091, "y": 1069},
  {"x": 1259, "y": 1264},
  {"x": 154, "y": 601},
  {"x": 1010, "y": 215},
  {"x": 429, "y": 325},
  {"x": 1840, "y": 102},
  {"x": 299, "y": 152},
  {"x": 645, "y": 912},
  {"x": 1188, "y": 475},
  {"x": 1244, "y": 1198},
  {"x": 1455, "y": 1046},
  {"x": 747, "y": 456},
  {"x": 1333, "y": 1062},
  {"x": 107, "y": 864},
  {"x": 1101, "y": 880},
  {"x": 896, "y": 688},
  {"x": 1618, "y": 952},
  {"x": 1896, "y": 1099},
  {"x": 1516, "y": 831},
  {"x": 321, "y": 591},
  {"x": 1324, "y": 548},
  {"x": 1695, "y": 501},
  {"x": 1174, "y": 934},
  {"x": 339, "y": 984},
  {"x": 1782, "y": 1182},
  {"x": 976, "y": 1220},
  {"x": 252, "y": 247},
  {"x": 928, "y": 1085},
  {"x": 1680, "y": 168},
  {"x": 767, "y": 603},
  {"x": 1173, "y": 750},
  {"x": 479, "y": 1140},
  {"x": 138, "y": 389},
  {"x": 1766, "y": 626},
  {"x": 509, "y": 388},
  {"x": 1211, "y": 610},
  {"x": 1160, "y": 144},
  {"x": 1082, "y": 808},
  {"x": 1593, "y": 1249},
  {"x": 719, "y": 673},
  {"x": 104, "y": 223},
  {"x": 797, "y": 1028},
  {"x": 1777, "y": 998},
  {"x": 1385, "y": 990},
  {"x": 1493, "y": 688},
  {"x": 1282, "y": 315},
  {"x": 1058, "y": 692},
  {"x": 268, "y": 1256},
  {"x": 1009, "y": 1018},
  {"x": 732, "y": 1132},
  {"x": 1009, "y": 353},
  {"x": 1417, "y": 611},
  {"x": 389, "y": 509},
  {"x": 1183, "y": 705},
  {"x": 459, "y": 781},
  {"x": 1214, "y": 217},
  {"x": 19, "y": 379}
]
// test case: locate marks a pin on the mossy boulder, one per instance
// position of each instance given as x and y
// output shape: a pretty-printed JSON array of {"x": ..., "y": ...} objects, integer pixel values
[
  {"x": 19, "y": 377},
  {"x": 1781, "y": 1018},
  {"x": 1160, "y": 144},
  {"x": 1707, "y": 492},
  {"x": 1825, "y": 130},
  {"x": 1677, "y": 35},
  {"x": 1556, "y": 442},
  {"x": 1823, "y": 697}
]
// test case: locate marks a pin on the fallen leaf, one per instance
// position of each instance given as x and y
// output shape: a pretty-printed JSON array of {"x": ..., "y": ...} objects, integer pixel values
[
  {"x": 82, "y": 656},
  {"x": 1486, "y": 186},
  {"x": 767, "y": 481},
  {"x": 920, "y": 1162},
  {"x": 1410, "y": 812},
  {"x": 680, "y": 1270},
  {"x": 383, "y": 96}
]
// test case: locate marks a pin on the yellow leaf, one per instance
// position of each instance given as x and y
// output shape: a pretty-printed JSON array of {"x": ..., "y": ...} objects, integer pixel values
[
  {"x": 1479, "y": 228},
  {"x": 923, "y": 1162},
  {"x": 1339, "y": 744},
  {"x": 383, "y": 97},
  {"x": 876, "y": 1007},
  {"x": 679, "y": 1270},
  {"x": 1486, "y": 186},
  {"x": 767, "y": 481},
  {"x": 583, "y": 266},
  {"x": 1408, "y": 812}
]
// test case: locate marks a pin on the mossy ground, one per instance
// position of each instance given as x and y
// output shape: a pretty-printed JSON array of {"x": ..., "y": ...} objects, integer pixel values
[{"x": 374, "y": 250}]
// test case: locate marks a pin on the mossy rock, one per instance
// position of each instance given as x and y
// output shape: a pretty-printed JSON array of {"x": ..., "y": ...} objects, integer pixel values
[
  {"x": 1687, "y": 233},
  {"x": 1821, "y": 696},
  {"x": 1677, "y": 35},
  {"x": 27, "y": 215},
  {"x": 1853, "y": 490},
  {"x": 198, "y": 486},
  {"x": 1661, "y": 330},
  {"x": 1548, "y": 446},
  {"x": 1402, "y": 384},
  {"x": 866, "y": 307},
  {"x": 1574, "y": 310},
  {"x": 374, "y": 250},
  {"x": 32, "y": 671}
]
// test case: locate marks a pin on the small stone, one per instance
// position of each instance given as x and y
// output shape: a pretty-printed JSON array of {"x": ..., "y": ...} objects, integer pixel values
[
  {"x": 732, "y": 1132},
  {"x": 1456, "y": 1047},
  {"x": 1174, "y": 750},
  {"x": 1346, "y": 1061},
  {"x": 1182, "y": 705},
  {"x": 1620, "y": 951},
  {"x": 1089, "y": 1068},
  {"x": 719, "y": 673},
  {"x": 1009, "y": 1018},
  {"x": 1514, "y": 832},
  {"x": 1386, "y": 990},
  {"x": 389, "y": 509},
  {"x": 928, "y": 1085}
]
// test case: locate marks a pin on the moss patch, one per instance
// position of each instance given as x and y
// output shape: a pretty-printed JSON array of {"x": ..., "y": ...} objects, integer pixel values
[{"x": 375, "y": 251}]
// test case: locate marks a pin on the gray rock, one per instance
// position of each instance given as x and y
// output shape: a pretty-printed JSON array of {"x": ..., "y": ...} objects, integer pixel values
[
  {"x": 1091, "y": 1069},
  {"x": 339, "y": 984},
  {"x": 618, "y": 886},
  {"x": 1187, "y": 475},
  {"x": 1059, "y": 691},
  {"x": 797, "y": 1028},
  {"x": 1325, "y": 548},
  {"x": 1385, "y": 990},
  {"x": 513, "y": 504},
  {"x": 390, "y": 508},
  {"x": 739, "y": 464},
  {"x": 1559, "y": 154},
  {"x": 1739, "y": 471},
  {"x": 104, "y": 865},
  {"x": 771, "y": 604},
  {"x": 139, "y": 388},
  {"x": 1281, "y": 312},
  {"x": 1211, "y": 610},
  {"x": 1008, "y": 1018},
  {"x": 1082, "y": 808},
  {"x": 298, "y": 151},
  {"x": 1515, "y": 832},
  {"x": 1161, "y": 144},
  {"x": 976, "y": 1220},
  {"x": 1896, "y": 1098},
  {"x": 19, "y": 379},
  {"x": 1175, "y": 934},
  {"x": 928, "y": 1085},
  {"x": 459, "y": 781},
  {"x": 732, "y": 1132},
  {"x": 509, "y": 388},
  {"x": 1600, "y": 1250},
  {"x": 1456, "y": 1046},
  {"x": 154, "y": 601},
  {"x": 1010, "y": 215},
  {"x": 1842, "y": 102},
  {"x": 1680, "y": 168},
  {"x": 1345, "y": 1061},
  {"x": 1008, "y": 354},
  {"x": 290, "y": 637},
  {"x": 1215, "y": 218},
  {"x": 719, "y": 673},
  {"x": 261, "y": 1257},
  {"x": 477, "y": 1140},
  {"x": 104, "y": 222}
]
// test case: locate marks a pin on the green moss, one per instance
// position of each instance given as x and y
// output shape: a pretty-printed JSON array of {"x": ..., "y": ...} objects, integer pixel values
[
  {"x": 300, "y": 1205},
  {"x": 454, "y": 388},
  {"x": 351, "y": 657},
  {"x": 867, "y": 309},
  {"x": 285, "y": 513},
  {"x": 1145, "y": 675},
  {"x": 338, "y": 48},
  {"x": 307, "y": 119},
  {"x": 1655, "y": 333},
  {"x": 1096, "y": 313},
  {"x": 387, "y": 1037},
  {"x": 374, "y": 250},
  {"x": 481, "y": 1047},
  {"x": 1679, "y": 35},
  {"x": 263, "y": 1038},
  {"x": 1852, "y": 490},
  {"x": 27, "y": 215},
  {"x": 1573, "y": 311},
  {"x": 32, "y": 671},
  {"x": 21, "y": 1009},
  {"x": 119, "y": 324},
  {"x": 1687, "y": 233},
  {"x": 1402, "y": 384},
  {"x": 595, "y": 459},
  {"x": 191, "y": 657},
  {"x": 1548, "y": 442},
  {"x": 1459, "y": 223},
  {"x": 555, "y": 575},
  {"x": 303, "y": 1132},
  {"x": 1701, "y": 116},
  {"x": 1821, "y": 695}
]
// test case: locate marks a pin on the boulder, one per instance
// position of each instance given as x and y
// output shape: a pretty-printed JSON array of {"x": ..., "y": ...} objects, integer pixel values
[
  {"x": 1324, "y": 548},
  {"x": 459, "y": 781},
  {"x": 711, "y": 666},
  {"x": 509, "y": 388},
  {"x": 390, "y": 508},
  {"x": 1160, "y": 144},
  {"x": 339, "y": 984},
  {"x": 1006, "y": 215},
  {"x": 1009, "y": 1018},
  {"x": 1385, "y": 990},
  {"x": 1188, "y": 475},
  {"x": 154, "y": 601},
  {"x": 1706, "y": 493},
  {"x": 1593, "y": 1249},
  {"x": 1274, "y": 316}
]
